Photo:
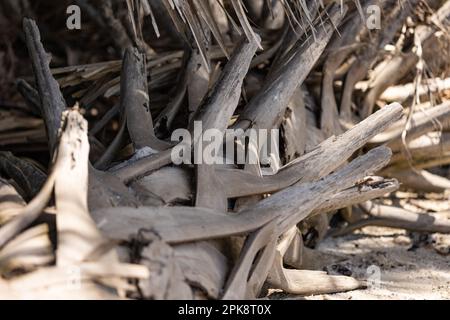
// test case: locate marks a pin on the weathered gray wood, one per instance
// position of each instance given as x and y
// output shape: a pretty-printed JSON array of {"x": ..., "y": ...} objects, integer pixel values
[
  {"x": 339, "y": 50},
  {"x": 203, "y": 265},
  {"x": 143, "y": 166},
  {"x": 395, "y": 217},
  {"x": 135, "y": 102},
  {"x": 28, "y": 176},
  {"x": 52, "y": 282},
  {"x": 215, "y": 113},
  {"x": 293, "y": 127},
  {"x": 288, "y": 207},
  {"x": 403, "y": 92},
  {"x": 52, "y": 101},
  {"x": 402, "y": 63},
  {"x": 170, "y": 184},
  {"x": 174, "y": 224},
  {"x": 295, "y": 203},
  {"x": 432, "y": 119},
  {"x": 29, "y": 250},
  {"x": 30, "y": 95},
  {"x": 105, "y": 189},
  {"x": 266, "y": 109},
  {"x": 371, "y": 188},
  {"x": 421, "y": 180},
  {"x": 189, "y": 251},
  {"x": 308, "y": 282},
  {"x": 10, "y": 202},
  {"x": 429, "y": 150},
  {"x": 197, "y": 81},
  {"x": 322, "y": 160},
  {"x": 166, "y": 280},
  {"x": 120, "y": 38},
  {"x": 164, "y": 121},
  {"x": 293, "y": 248},
  {"x": 238, "y": 285},
  {"x": 31, "y": 211},
  {"x": 77, "y": 233}
]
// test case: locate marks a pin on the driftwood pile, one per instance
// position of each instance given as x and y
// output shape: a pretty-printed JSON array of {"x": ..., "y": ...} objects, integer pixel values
[{"x": 361, "y": 112}]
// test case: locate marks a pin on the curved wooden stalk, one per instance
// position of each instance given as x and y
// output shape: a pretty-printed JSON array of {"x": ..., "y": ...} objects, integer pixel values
[
  {"x": 308, "y": 282},
  {"x": 246, "y": 278},
  {"x": 52, "y": 101},
  {"x": 109, "y": 154},
  {"x": 31, "y": 211},
  {"x": 30, "y": 95},
  {"x": 135, "y": 102},
  {"x": 29, "y": 250},
  {"x": 238, "y": 183},
  {"x": 164, "y": 121},
  {"x": 404, "y": 92},
  {"x": 395, "y": 217},
  {"x": 52, "y": 282},
  {"x": 426, "y": 151},
  {"x": 197, "y": 76},
  {"x": 77, "y": 234},
  {"x": 339, "y": 51},
  {"x": 186, "y": 224},
  {"x": 143, "y": 166},
  {"x": 322, "y": 160},
  {"x": 371, "y": 188},
  {"x": 27, "y": 175},
  {"x": 10, "y": 202},
  {"x": 215, "y": 113},
  {"x": 421, "y": 180},
  {"x": 166, "y": 280},
  {"x": 266, "y": 109},
  {"x": 287, "y": 202},
  {"x": 329, "y": 119},
  {"x": 401, "y": 64},
  {"x": 436, "y": 118}
]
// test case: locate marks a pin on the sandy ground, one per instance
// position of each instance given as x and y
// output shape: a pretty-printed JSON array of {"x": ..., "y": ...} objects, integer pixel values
[{"x": 396, "y": 264}]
